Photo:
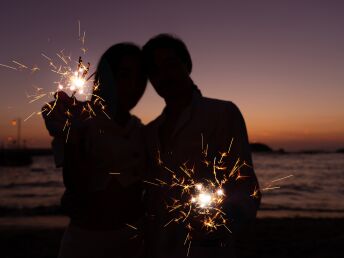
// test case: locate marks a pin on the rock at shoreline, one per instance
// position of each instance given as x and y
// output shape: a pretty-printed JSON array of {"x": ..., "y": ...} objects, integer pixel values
[{"x": 260, "y": 147}]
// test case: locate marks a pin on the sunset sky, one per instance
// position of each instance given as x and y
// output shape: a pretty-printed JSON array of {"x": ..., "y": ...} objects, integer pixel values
[{"x": 281, "y": 62}]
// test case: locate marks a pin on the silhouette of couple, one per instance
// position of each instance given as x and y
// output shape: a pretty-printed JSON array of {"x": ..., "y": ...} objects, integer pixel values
[{"x": 105, "y": 161}]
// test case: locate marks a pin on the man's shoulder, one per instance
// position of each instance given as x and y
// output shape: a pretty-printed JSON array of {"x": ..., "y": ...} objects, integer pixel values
[
  {"x": 218, "y": 105},
  {"x": 152, "y": 125}
]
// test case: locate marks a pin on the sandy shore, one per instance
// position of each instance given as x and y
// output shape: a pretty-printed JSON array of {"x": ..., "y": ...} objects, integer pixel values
[{"x": 39, "y": 236}]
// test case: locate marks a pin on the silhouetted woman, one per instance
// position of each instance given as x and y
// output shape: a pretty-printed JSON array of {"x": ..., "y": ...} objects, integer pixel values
[{"x": 103, "y": 164}]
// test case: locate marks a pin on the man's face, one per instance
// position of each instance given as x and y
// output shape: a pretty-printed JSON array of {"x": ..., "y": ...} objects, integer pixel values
[{"x": 168, "y": 73}]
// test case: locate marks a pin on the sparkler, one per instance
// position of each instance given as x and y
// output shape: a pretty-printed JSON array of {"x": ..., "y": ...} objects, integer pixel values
[
  {"x": 72, "y": 80},
  {"x": 75, "y": 81},
  {"x": 199, "y": 204},
  {"x": 73, "y": 77}
]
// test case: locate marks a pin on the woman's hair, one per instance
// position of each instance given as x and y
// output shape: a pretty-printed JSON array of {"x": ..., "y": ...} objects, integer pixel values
[
  {"x": 166, "y": 41},
  {"x": 108, "y": 64}
]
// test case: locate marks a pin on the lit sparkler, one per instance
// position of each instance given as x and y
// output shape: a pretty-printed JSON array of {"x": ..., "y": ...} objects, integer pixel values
[
  {"x": 76, "y": 81},
  {"x": 200, "y": 203},
  {"x": 74, "y": 78}
]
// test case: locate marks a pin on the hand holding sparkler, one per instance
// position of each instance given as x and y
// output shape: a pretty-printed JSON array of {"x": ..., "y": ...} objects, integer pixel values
[
  {"x": 73, "y": 78},
  {"x": 58, "y": 112},
  {"x": 205, "y": 199}
]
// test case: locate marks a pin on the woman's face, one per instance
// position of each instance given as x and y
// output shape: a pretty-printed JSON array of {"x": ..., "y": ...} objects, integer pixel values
[{"x": 130, "y": 81}]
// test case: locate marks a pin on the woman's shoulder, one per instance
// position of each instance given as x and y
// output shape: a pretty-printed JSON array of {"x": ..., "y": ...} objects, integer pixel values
[
  {"x": 136, "y": 121},
  {"x": 100, "y": 122}
]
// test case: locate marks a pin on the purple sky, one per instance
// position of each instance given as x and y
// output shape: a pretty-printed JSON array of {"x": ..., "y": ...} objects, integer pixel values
[{"x": 281, "y": 62}]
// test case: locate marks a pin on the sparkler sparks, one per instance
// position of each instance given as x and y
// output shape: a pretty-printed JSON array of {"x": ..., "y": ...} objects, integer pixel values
[
  {"x": 271, "y": 186},
  {"x": 7, "y": 66},
  {"x": 73, "y": 77},
  {"x": 73, "y": 80},
  {"x": 201, "y": 204},
  {"x": 20, "y": 66}
]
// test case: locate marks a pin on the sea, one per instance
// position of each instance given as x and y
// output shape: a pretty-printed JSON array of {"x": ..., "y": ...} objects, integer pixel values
[{"x": 296, "y": 185}]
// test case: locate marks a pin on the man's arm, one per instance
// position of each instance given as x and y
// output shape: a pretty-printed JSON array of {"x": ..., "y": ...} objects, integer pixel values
[{"x": 242, "y": 203}]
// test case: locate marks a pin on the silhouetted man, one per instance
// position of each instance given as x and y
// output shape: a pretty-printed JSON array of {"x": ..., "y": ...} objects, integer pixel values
[{"x": 176, "y": 135}]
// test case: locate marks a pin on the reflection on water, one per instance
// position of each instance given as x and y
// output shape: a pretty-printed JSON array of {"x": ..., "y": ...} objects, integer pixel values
[
  {"x": 39, "y": 184},
  {"x": 315, "y": 190}
]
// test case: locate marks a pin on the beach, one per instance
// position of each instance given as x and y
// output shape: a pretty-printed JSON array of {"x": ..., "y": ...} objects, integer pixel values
[
  {"x": 39, "y": 236},
  {"x": 304, "y": 217}
]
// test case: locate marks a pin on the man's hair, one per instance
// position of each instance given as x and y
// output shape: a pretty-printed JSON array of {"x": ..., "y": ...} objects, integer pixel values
[{"x": 166, "y": 41}]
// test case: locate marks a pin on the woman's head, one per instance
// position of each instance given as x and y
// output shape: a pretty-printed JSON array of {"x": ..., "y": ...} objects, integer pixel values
[{"x": 121, "y": 77}]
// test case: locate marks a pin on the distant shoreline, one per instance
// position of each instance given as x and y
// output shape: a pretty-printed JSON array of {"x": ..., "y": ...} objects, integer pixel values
[
  {"x": 255, "y": 148},
  {"x": 32, "y": 152}
]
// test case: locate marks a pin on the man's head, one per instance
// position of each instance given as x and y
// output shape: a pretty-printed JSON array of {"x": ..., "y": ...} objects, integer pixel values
[{"x": 168, "y": 65}]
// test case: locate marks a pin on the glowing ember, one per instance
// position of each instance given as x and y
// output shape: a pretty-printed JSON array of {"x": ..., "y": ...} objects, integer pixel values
[{"x": 205, "y": 198}]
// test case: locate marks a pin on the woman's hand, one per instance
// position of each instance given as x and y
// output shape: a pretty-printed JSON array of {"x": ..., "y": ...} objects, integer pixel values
[{"x": 58, "y": 113}]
